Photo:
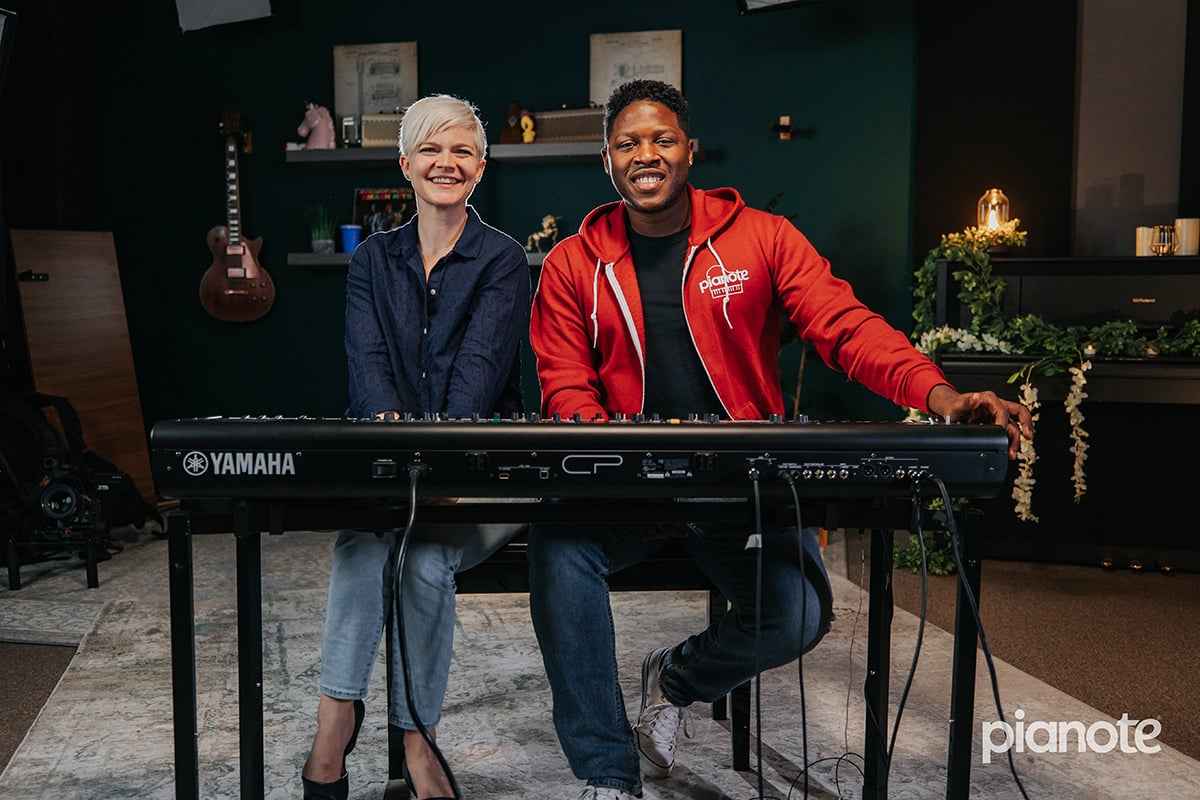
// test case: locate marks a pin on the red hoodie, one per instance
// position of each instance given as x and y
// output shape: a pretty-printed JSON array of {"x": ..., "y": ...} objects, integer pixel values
[{"x": 744, "y": 269}]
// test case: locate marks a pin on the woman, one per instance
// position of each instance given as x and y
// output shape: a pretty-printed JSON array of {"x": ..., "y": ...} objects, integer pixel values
[{"x": 405, "y": 358}]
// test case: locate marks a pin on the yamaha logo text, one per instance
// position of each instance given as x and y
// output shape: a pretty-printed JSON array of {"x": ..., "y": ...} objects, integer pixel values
[{"x": 198, "y": 463}]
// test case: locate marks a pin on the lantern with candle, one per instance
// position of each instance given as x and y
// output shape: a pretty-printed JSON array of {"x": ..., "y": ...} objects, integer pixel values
[{"x": 993, "y": 209}]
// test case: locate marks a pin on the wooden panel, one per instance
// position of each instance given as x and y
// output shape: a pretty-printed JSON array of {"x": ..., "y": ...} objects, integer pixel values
[{"x": 79, "y": 341}]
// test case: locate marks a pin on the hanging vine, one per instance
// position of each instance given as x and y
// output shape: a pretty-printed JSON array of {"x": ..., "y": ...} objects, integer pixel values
[{"x": 1050, "y": 349}]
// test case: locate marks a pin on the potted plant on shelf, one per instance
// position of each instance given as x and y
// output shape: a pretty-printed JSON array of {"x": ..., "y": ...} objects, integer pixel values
[{"x": 321, "y": 225}]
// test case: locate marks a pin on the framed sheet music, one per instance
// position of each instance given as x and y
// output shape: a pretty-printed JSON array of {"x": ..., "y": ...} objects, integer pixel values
[
  {"x": 620, "y": 57},
  {"x": 373, "y": 78},
  {"x": 751, "y": 6}
]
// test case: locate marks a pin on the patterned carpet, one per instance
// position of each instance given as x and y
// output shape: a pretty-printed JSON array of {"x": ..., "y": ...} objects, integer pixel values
[
  {"x": 106, "y": 732},
  {"x": 46, "y": 621}
]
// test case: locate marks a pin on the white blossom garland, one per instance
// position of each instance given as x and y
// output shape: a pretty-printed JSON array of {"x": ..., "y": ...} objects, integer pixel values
[
  {"x": 961, "y": 340},
  {"x": 1079, "y": 446},
  {"x": 1022, "y": 491}
]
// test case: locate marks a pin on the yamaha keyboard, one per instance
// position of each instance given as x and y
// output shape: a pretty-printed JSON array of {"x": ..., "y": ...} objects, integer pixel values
[
  {"x": 313, "y": 458},
  {"x": 251, "y": 475}
]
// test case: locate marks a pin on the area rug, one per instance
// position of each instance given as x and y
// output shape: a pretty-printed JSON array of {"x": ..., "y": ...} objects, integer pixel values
[
  {"x": 46, "y": 621},
  {"x": 107, "y": 730}
]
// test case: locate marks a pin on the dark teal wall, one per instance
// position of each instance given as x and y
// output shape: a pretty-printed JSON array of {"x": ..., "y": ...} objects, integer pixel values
[{"x": 843, "y": 71}]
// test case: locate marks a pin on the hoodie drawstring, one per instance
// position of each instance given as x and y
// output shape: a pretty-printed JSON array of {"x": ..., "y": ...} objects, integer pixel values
[
  {"x": 595, "y": 317},
  {"x": 721, "y": 264},
  {"x": 626, "y": 314}
]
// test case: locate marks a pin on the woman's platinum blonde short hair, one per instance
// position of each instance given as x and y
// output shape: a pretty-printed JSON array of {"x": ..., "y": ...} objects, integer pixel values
[{"x": 431, "y": 115}]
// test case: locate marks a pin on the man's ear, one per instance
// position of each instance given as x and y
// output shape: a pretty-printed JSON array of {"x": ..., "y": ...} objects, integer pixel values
[{"x": 604, "y": 160}]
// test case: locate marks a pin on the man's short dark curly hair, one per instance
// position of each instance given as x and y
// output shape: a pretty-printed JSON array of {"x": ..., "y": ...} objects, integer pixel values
[{"x": 654, "y": 91}]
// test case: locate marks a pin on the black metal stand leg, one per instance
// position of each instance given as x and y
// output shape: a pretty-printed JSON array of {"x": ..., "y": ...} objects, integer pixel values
[
  {"x": 879, "y": 646},
  {"x": 183, "y": 658},
  {"x": 14, "y": 566},
  {"x": 395, "y": 732},
  {"x": 250, "y": 657},
  {"x": 91, "y": 563},
  {"x": 962, "y": 685}
]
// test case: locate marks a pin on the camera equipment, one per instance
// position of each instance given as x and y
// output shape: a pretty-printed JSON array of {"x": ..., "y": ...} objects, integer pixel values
[
  {"x": 55, "y": 494},
  {"x": 70, "y": 506}
]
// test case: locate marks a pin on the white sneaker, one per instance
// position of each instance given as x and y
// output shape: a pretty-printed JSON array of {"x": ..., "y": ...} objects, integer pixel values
[
  {"x": 658, "y": 723},
  {"x": 605, "y": 793}
]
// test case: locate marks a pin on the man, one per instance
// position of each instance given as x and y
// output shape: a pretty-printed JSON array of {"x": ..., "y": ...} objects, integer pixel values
[{"x": 670, "y": 302}]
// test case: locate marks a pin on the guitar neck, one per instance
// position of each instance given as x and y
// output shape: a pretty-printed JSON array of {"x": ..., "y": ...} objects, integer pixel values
[{"x": 232, "y": 202}]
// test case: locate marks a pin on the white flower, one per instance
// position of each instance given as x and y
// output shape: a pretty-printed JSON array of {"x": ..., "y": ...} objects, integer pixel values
[
  {"x": 960, "y": 339},
  {"x": 1075, "y": 396},
  {"x": 1022, "y": 491}
]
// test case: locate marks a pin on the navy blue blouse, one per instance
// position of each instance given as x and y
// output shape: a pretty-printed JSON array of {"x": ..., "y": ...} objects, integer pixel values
[{"x": 450, "y": 345}]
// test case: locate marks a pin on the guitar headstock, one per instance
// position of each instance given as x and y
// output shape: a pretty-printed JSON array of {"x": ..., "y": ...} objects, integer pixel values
[{"x": 231, "y": 128}]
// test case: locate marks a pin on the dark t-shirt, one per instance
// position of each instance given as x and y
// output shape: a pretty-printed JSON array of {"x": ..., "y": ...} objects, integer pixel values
[{"x": 676, "y": 383}]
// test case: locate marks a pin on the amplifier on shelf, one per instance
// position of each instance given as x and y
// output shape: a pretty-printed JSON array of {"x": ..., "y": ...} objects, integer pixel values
[
  {"x": 570, "y": 125},
  {"x": 381, "y": 130}
]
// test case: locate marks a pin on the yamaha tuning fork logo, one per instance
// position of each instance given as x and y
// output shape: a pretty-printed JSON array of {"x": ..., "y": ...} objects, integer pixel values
[{"x": 197, "y": 463}]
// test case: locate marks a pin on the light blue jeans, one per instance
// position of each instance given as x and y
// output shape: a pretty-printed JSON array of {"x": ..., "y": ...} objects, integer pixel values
[
  {"x": 354, "y": 614},
  {"x": 572, "y": 617}
]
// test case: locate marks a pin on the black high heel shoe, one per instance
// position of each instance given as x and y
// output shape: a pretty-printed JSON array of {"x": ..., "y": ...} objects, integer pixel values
[
  {"x": 339, "y": 789},
  {"x": 408, "y": 781}
]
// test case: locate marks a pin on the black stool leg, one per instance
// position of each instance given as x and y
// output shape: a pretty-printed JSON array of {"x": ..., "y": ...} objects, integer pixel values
[
  {"x": 738, "y": 700},
  {"x": 739, "y": 727},
  {"x": 716, "y": 607}
]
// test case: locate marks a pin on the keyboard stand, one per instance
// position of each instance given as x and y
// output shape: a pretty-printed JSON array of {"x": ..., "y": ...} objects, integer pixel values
[{"x": 246, "y": 522}]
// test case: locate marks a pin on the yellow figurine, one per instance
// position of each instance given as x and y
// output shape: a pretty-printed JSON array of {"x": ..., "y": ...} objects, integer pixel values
[
  {"x": 547, "y": 235},
  {"x": 528, "y": 134}
]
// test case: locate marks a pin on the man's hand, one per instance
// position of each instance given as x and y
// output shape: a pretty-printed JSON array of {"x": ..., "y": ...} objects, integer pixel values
[{"x": 983, "y": 408}]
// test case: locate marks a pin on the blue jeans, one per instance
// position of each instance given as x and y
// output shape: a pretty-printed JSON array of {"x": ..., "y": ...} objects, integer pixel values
[
  {"x": 573, "y": 620},
  {"x": 354, "y": 615}
]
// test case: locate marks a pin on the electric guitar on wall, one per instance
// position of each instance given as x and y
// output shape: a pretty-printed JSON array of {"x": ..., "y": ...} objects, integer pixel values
[{"x": 235, "y": 288}]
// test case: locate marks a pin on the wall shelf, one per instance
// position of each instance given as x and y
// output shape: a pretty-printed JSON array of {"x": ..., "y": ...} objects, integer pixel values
[
  {"x": 318, "y": 260},
  {"x": 342, "y": 260},
  {"x": 549, "y": 152}
]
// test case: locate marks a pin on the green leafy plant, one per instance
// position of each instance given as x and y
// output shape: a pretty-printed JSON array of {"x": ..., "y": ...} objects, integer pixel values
[
  {"x": 939, "y": 553},
  {"x": 321, "y": 222},
  {"x": 981, "y": 291}
]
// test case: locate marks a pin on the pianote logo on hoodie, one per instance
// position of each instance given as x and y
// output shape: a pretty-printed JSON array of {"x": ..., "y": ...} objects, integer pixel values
[
  {"x": 197, "y": 463},
  {"x": 720, "y": 283}
]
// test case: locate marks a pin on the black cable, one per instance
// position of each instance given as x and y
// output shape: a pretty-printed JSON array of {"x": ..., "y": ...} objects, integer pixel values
[
  {"x": 414, "y": 472},
  {"x": 918, "y": 529},
  {"x": 756, "y": 542},
  {"x": 983, "y": 643},
  {"x": 791, "y": 482}
]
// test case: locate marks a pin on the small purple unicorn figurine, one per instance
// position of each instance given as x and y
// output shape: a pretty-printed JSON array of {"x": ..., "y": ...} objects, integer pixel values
[{"x": 318, "y": 127}]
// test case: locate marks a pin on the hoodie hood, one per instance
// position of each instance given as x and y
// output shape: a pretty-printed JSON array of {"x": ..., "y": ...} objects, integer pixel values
[{"x": 604, "y": 230}]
